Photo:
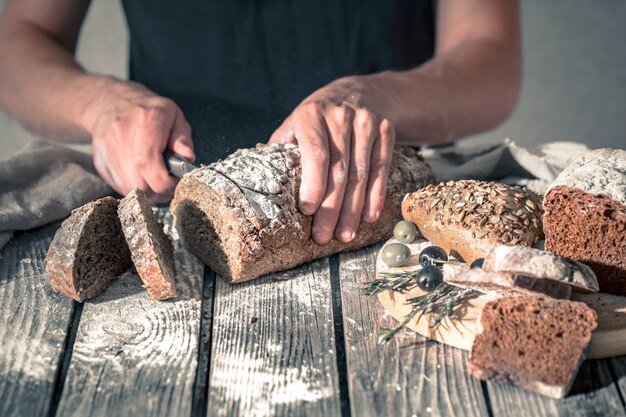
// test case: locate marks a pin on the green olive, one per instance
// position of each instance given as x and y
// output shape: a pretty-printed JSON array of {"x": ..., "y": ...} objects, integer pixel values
[
  {"x": 396, "y": 254},
  {"x": 405, "y": 232}
]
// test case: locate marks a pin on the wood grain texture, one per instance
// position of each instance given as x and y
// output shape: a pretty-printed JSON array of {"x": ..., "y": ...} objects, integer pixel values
[
  {"x": 34, "y": 323},
  {"x": 618, "y": 367},
  {"x": 594, "y": 394},
  {"x": 273, "y": 346},
  {"x": 134, "y": 355},
  {"x": 407, "y": 376}
]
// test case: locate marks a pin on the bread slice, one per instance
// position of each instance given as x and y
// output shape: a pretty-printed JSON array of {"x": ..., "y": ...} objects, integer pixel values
[
  {"x": 503, "y": 283},
  {"x": 240, "y": 216},
  {"x": 468, "y": 218},
  {"x": 533, "y": 342},
  {"x": 88, "y": 251},
  {"x": 586, "y": 215},
  {"x": 150, "y": 248},
  {"x": 540, "y": 264}
]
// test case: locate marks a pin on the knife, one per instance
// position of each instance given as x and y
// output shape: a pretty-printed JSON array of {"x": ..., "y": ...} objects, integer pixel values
[{"x": 176, "y": 165}]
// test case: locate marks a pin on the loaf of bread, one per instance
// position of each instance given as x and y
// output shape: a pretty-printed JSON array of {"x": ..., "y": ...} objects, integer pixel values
[
  {"x": 240, "y": 216},
  {"x": 533, "y": 342},
  {"x": 505, "y": 283},
  {"x": 468, "y": 218},
  {"x": 150, "y": 249},
  {"x": 585, "y": 215},
  {"x": 539, "y": 264},
  {"x": 88, "y": 251}
]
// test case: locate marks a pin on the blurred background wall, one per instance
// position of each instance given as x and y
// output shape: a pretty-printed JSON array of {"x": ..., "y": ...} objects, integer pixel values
[{"x": 574, "y": 72}]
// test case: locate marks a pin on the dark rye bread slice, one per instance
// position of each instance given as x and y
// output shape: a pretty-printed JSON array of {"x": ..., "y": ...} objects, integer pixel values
[
  {"x": 533, "y": 342},
  {"x": 586, "y": 215},
  {"x": 150, "y": 248},
  {"x": 539, "y": 264},
  {"x": 88, "y": 251},
  {"x": 468, "y": 218},
  {"x": 240, "y": 216},
  {"x": 507, "y": 283}
]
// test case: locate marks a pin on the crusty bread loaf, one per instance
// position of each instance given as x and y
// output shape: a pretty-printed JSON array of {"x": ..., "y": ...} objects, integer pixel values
[
  {"x": 240, "y": 216},
  {"x": 504, "y": 283},
  {"x": 533, "y": 342},
  {"x": 88, "y": 251},
  {"x": 586, "y": 215},
  {"x": 468, "y": 218},
  {"x": 150, "y": 248},
  {"x": 540, "y": 264}
]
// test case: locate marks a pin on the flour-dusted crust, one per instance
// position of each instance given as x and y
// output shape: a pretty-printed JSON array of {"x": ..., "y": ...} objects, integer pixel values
[
  {"x": 468, "y": 218},
  {"x": 586, "y": 216},
  {"x": 540, "y": 264},
  {"x": 536, "y": 343},
  {"x": 601, "y": 171},
  {"x": 150, "y": 248},
  {"x": 88, "y": 251},
  {"x": 240, "y": 216},
  {"x": 499, "y": 284}
]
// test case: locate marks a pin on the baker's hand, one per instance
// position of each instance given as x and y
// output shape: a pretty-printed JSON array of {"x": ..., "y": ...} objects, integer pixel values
[
  {"x": 346, "y": 143},
  {"x": 130, "y": 128}
]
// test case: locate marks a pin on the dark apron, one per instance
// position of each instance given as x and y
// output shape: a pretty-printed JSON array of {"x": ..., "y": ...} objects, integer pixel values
[{"x": 237, "y": 68}]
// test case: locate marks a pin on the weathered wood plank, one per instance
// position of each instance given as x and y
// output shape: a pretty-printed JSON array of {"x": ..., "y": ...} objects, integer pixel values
[
  {"x": 273, "y": 346},
  {"x": 594, "y": 394},
  {"x": 134, "y": 355},
  {"x": 618, "y": 367},
  {"x": 34, "y": 323},
  {"x": 407, "y": 376}
]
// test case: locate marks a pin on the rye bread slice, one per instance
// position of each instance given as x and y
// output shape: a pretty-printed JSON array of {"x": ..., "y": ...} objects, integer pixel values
[
  {"x": 467, "y": 218},
  {"x": 88, "y": 251},
  {"x": 533, "y": 342},
  {"x": 150, "y": 248},
  {"x": 503, "y": 283},
  {"x": 540, "y": 264}
]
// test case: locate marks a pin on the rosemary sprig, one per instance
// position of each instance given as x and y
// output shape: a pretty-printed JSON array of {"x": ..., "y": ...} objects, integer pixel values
[
  {"x": 444, "y": 301},
  {"x": 401, "y": 281}
]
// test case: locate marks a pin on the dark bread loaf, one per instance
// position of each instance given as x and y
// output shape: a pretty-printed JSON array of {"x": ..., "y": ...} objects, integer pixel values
[
  {"x": 150, "y": 248},
  {"x": 88, "y": 251},
  {"x": 533, "y": 342},
  {"x": 504, "y": 283},
  {"x": 240, "y": 216},
  {"x": 468, "y": 218},
  {"x": 541, "y": 265},
  {"x": 586, "y": 215}
]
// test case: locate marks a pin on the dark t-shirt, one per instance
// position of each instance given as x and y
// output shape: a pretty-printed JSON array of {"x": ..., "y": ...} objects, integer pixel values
[{"x": 266, "y": 56}]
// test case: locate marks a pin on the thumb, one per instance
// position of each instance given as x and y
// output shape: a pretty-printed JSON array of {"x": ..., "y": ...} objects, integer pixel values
[{"x": 180, "y": 141}]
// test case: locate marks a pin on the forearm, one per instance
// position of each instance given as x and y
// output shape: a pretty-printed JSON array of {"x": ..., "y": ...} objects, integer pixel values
[
  {"x": 42, "y": 86},
  {"x": 465, "y": 90}
]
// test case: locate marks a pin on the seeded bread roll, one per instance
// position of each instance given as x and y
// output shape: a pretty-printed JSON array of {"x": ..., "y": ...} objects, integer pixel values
[
  {"x": 150, "y": 248},
  {"x": 88, "y": 251},
  {"x": 533, "y": 342},
  {"x": 507, "y": 284},
  {"x": 540, "y": 264},
  {"x": 240, "y": 216},
  {"x": 586, "y": 215},
  {"x": 468, "y": 218}
]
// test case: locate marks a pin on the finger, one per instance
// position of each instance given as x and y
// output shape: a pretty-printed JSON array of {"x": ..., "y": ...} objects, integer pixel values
[
  {"x": 150, "y": 140},
  {"x": 380, "y": 163},
  {"x": 339, "y": 127},
  {"x": 311, "y": 134},
  {"x": 283, "y": 135},
  {"x": 180, "y": 141},
  {"x": 354, "y": 199}
]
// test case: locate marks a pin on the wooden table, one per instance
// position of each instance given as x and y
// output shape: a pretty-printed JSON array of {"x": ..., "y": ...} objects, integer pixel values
[{"x": 297, "y": 343}]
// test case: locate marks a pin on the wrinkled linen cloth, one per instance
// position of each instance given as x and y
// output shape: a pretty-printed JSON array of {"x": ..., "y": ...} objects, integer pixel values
[{"x": 45, "y": 182}]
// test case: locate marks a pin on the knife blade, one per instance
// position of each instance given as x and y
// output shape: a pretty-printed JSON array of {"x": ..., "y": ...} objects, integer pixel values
[{"x": 176, "y": 165}]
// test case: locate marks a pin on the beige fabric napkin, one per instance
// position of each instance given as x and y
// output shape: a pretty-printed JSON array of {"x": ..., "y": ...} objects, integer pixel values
[{"x": 44, "y": 183}]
